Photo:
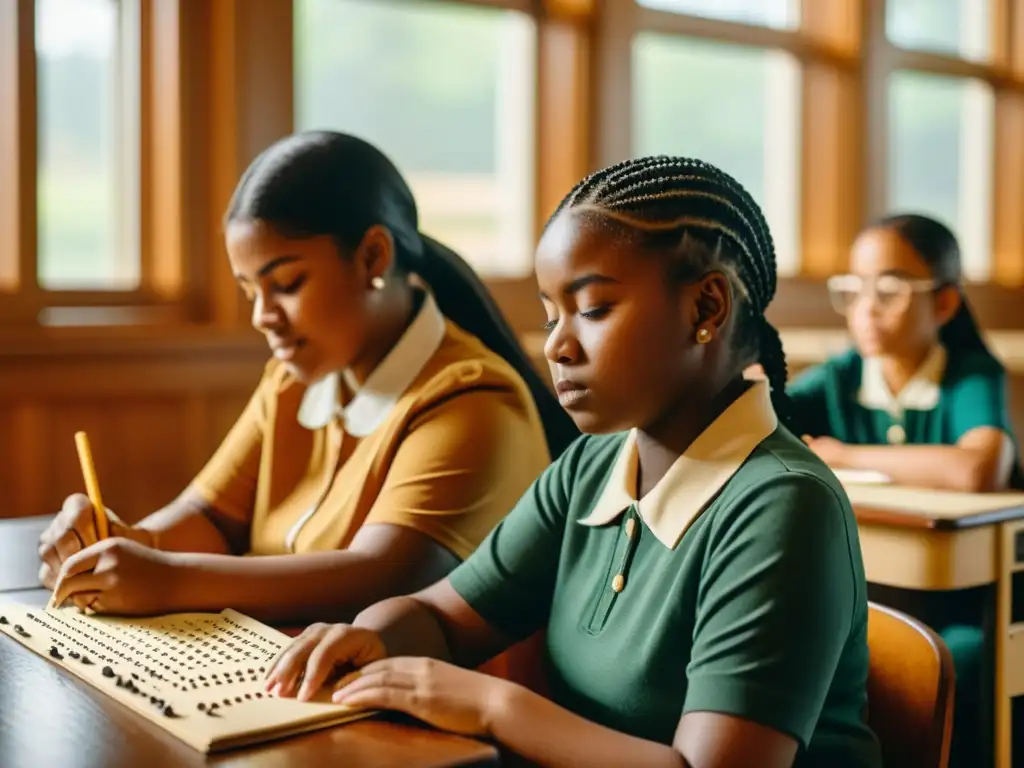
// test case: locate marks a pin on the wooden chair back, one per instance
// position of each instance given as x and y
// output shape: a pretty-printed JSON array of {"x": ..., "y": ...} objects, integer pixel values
[{"x": 910, "y": 689}]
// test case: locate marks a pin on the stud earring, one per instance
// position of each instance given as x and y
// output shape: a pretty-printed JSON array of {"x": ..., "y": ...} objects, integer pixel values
[
  {"x": 377, "y": 283},
  {"x": 703, "y": 336}
]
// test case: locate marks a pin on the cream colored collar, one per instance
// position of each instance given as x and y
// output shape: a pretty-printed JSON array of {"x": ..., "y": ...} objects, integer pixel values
[
  {"x": 920, "y": 394},
  {"x": 373, "y": 401},
  {"x": 693, "y": 480}
]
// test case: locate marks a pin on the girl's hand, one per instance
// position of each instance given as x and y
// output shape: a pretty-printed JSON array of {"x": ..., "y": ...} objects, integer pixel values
[
  {"x": 319, "y": 656},
  {"x": 123, "y": 577},
  {"x": 445, "y": 696},
  {"x": 74, "y": 529}
]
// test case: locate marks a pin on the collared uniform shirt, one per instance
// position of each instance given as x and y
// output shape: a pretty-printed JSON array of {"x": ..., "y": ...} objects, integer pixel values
[
  {"x": 848, "y": 399},
  {"x": 443, "y": 437},
  {"x": 735, "y": 585}
]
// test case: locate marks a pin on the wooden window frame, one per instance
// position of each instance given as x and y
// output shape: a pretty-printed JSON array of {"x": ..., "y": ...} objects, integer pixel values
[
  {"x": 214, "y": 91},
  {"x": 846, "y": 61}
]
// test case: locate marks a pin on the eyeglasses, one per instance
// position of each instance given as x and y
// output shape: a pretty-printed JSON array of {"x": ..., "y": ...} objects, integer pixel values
[{"x": 890, "y": 292}]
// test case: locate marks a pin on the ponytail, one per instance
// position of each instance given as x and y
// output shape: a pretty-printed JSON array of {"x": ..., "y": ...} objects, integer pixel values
[
  {"x": 962, "y": 334},
  {"x": 465, "y": 300}
]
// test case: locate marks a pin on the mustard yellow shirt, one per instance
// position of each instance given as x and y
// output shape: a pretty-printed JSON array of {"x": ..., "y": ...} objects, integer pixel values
[{"x": 443, "y": 437}]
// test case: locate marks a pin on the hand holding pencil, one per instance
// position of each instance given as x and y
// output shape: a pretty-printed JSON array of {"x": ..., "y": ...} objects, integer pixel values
[
  {"x": 92, "y": 486},
  {"x": 81, "y": 522}
]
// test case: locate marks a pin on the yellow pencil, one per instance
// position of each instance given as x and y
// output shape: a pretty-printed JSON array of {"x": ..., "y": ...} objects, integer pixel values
[
  {"x": 92, "y": 485},
  {"x": 92, "y": 488}
]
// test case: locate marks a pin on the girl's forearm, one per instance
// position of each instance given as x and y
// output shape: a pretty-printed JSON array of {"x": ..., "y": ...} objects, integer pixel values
[
  {"x": 189, "y": 524},
  {"x": 407, "y": 627},
  {"x": 289, "y": 589},
  {"x": 946, "y": 467},
  {"x": 549, "y": 735}
]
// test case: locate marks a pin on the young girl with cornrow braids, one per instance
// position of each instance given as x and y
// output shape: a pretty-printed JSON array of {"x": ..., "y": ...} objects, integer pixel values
[{"x": 695, "y": 566}]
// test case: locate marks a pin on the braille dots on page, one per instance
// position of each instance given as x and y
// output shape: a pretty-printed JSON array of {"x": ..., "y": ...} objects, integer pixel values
[{"x": 198, "y": 676}]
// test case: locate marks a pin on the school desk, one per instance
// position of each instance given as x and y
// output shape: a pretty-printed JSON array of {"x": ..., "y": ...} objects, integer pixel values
[
  {"x": 48, "y": 717},
  {"x": 921, "y": 539}
]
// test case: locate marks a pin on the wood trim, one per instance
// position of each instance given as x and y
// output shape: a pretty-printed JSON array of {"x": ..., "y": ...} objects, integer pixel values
[
  {"x": 1015, "y": 23},
  {"x": 876, "y": 67},
  {"x": 524, "y": 6},
  {"x": 563, "y": 111},
  {"x": 18, "y": 154},
  {"x": 804, "y": 303},
  {"x": 182, "y": 341},
  {"x": 611, "y": 83},
  {"x": 250, "y": 106},
  {"x": 804, "y": 46},
  {"x": 831, "y": 142},
  {"x": 1008, "y": 197},
  {"x": 940, "y": 64},
  {"x": 1000, "y": 33},
  {"x": 569, "y": 10},
  {"x": 163, "y": 157}
]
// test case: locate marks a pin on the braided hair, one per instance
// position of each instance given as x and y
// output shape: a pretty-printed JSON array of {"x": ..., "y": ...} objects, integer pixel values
[{"x": 703, "y": 219}]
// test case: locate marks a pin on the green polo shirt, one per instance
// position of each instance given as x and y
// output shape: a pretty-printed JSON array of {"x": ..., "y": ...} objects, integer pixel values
[
  {"x": 843, "y": 398},
  {"x": 735, "y": 585}
]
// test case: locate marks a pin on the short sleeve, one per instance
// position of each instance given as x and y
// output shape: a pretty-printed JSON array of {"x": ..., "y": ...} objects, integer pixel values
[
  {"x": 229, "y": 479},
  {"x": 977, "y": 398},
  {"x": 776, "y": 606},
  {"x": 461, "y": 467},
  {"x": 510, "y": 579},
  {"x": 809, "y": 396}
]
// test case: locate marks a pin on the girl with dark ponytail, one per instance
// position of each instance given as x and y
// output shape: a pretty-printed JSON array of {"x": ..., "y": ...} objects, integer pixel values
[
  {"x": 397, "y": 423},
  {"x": 695, "y": 566},
  {"x": 920, "y": 399}
]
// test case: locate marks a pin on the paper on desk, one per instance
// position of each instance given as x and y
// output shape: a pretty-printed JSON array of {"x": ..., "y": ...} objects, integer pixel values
[
  {"x": 861, "y": 477},
  {"x": 174, "y": 670}
]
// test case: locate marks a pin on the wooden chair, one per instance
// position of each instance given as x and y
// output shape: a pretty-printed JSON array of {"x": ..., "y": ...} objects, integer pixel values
[{"x": 910, "y": 689}]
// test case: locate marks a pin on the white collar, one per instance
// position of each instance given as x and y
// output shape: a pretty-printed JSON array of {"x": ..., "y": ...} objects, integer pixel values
[
  {"x": 921, "y": 392},
  {"x": 373, "y": 401},
  {"x": 695, "y": 477}
]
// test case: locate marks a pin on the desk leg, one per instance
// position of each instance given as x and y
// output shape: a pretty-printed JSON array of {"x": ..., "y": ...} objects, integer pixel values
[{"x": 1009, "y": 677}]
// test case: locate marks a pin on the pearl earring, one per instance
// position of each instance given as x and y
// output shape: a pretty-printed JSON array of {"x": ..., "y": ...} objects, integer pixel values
[
  {"x": 703, "y": 336},
  {"x": 377, "y": 283}
]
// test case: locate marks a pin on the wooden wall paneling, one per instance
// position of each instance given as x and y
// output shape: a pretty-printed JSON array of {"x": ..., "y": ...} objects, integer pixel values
[
  {"x": 155, "y": 407},
  {"x": 137, "y": 444},
  {"x": 23, "y": 458}
]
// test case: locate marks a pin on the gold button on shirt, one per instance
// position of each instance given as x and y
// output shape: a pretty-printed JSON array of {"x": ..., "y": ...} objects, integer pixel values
[{"x": 448, "y": 453}]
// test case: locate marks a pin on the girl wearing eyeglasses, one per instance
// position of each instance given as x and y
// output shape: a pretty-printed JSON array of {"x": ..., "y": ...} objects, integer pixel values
[
  {"x": 922, "y": 400},
  {"x": 919, "y": 397}
]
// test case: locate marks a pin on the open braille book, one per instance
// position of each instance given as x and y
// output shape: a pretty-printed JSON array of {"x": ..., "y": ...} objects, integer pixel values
[{"x": 199, "y": 676}]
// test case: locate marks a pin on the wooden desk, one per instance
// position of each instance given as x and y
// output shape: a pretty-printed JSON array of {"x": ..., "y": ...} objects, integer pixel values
[
  {"x": 933, "y": 540},
  {"x": 50, "y": 718}
]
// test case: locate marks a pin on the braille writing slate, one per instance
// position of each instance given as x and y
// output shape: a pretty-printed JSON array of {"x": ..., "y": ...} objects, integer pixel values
[{"x": 199, "y": 676}]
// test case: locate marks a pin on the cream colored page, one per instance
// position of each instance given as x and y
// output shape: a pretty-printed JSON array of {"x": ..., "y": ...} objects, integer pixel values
[{"x": 198, "y": 676}]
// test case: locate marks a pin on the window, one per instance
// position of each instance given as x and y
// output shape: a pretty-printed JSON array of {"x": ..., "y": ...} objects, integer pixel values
[
  {"x": 448, "y": 92},
  {"x": 782, "y": 14},
  {"x": 733, "y": 106},
  {"x": 958, "y": 28},
  {"x": 84, "y": 148},
  {"x": 941, "y": 156}
]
